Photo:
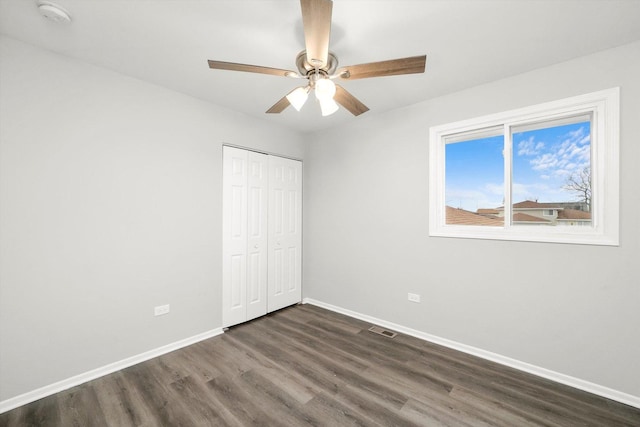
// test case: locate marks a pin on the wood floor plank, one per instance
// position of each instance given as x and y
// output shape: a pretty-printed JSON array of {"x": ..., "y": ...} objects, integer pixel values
[
  {"x": 203, "y": 408},
  {"x": 79, "y": 407},
  {"x": 311, "y": 341},
  {"x": 305, "y": 365},
  {"x": 432, "y": 415},
  {"x": 321, "y": 313},
  {"x": 332, "y": 412},
  {"x": 352, "y": 373},
  {"x": 627, "y": 413},
  {"x": 292, "y": 360},
  {"x": 277, "y": 401},
  {"x": 240, "y": 401},
  {"x": 344, "y": 326},
  {"x": 41, "y": 412},
  {"x": 298, "y": 386},
  {"x": 541, "y": 412},
  {"x": 498, "y": 412},
  {"x": 354, "y": 345},
  {"x": 375, "y": 409},
  {"x": 193, "y": 363},
  {"x": 121, "y": 401},
  {"x": 436, "y": 400},
  {"x": 230, "y": 361},
  {"x": 530, "y": 386},
  {"x": 566, "y": 408},
  {"x": 151, "y": 382}
]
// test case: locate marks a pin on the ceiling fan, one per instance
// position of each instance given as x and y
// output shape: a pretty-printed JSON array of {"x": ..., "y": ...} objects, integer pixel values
[{"x": 320, "y": 67}]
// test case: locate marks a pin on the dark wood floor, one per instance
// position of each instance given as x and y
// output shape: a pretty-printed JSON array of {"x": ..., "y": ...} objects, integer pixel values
[{"x": 305, "y": 365}]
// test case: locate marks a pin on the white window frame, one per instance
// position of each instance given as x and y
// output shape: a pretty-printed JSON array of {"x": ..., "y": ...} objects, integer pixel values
[{"x": 605, "y": 129}]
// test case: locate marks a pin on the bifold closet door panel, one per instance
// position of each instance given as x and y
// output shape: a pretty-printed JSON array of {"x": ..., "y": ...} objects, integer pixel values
[
  {"x": 257, "y": 234},
  {"x": 244, "y": 230},
  {"x": 285, "y": 234},
  {"x": 234, "y": 236}
]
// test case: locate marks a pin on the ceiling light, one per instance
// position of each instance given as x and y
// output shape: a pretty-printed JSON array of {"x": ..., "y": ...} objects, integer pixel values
[
  {"x": 53, "y": 12},
  {"x": 298, "y": 97},
  {"x": 325, "y": 89},
  {"x": 328, "y": 106}
]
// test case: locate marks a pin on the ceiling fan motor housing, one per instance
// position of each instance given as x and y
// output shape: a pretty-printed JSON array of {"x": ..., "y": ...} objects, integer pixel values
[{"x": 305, "y": 68}]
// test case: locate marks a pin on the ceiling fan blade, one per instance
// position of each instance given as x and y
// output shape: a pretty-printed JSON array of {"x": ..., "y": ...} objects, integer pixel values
[
  {"x": 232, "y": 66},
  {"x": 316, "y": 20},
  {"x": 349, "y": 101},
  {"x": 279, "y": 106},
  {"x": 392, "y": 67}
]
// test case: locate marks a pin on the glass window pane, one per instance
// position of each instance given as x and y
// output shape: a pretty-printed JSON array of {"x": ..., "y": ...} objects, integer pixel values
[
  {"x": 551, "y": 171},
  {"x": 474, "y": 179}
]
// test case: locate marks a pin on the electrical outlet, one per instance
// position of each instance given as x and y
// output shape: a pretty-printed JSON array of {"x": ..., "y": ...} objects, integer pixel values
[
  {"x": 413, "y": 297},
  {"x": 161, "y": 309}
]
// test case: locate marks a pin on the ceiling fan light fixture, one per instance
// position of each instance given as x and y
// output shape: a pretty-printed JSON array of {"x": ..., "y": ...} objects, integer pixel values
[
  {"x": 328, "y": 106},
  {"x": 325, "y": 89},
  {"x": 298, "y": 97}
]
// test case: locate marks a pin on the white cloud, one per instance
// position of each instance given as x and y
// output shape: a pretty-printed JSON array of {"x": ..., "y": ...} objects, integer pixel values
[
  {"x": 529, "y": 147},
  {"x": 545, "y": 161},
  {"x": 572, "y": 154}
]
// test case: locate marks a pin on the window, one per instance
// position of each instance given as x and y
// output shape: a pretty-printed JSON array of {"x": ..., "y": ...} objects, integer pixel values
[{"x": 543, "y": 173}]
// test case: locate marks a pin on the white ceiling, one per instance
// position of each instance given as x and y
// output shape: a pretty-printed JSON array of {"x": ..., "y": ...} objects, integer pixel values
[{"x": 168, "y": 42}]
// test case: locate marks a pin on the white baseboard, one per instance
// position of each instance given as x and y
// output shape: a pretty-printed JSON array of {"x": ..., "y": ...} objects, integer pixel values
[
  {"x": 587, "y": 386},
  {"x": 23, "y": 399}
]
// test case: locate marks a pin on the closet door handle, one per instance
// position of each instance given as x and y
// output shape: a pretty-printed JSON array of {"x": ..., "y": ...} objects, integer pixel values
[{"x": 255, "y": 247}]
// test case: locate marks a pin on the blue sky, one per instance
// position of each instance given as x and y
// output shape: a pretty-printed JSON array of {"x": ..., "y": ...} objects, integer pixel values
[{"x": 543, "y": 159}]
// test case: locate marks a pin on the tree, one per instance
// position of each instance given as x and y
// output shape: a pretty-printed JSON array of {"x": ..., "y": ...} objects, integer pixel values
[{"x": 579, "y": 183}]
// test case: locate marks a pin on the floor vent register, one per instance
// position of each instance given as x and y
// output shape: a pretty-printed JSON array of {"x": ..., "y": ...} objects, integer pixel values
[{"x": 380, "y": 331}]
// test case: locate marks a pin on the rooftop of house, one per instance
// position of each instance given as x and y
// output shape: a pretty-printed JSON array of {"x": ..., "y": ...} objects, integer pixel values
[
  {"x": 488, "y": 211},
  {"x": 530, "y": 204},
  {"x": 523, "y": 217},
  {"x": 568, "y": 214},
  {"x": 463, "y": 217},
  {"x": 458, "y": 216},
  {"x": 564, "y": 212}
]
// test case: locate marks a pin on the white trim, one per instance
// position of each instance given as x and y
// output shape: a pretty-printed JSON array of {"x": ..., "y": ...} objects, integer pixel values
[
  {"x": 48, "y": 390},
  {"x": 558, "y": 377},
  {"x": 604, "y": 107}
]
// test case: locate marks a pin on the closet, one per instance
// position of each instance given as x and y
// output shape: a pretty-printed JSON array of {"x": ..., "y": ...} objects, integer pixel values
[{"x": 262, "y": 236}]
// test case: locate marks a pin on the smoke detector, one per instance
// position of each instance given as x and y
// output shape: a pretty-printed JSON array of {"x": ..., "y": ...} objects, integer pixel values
[{"x": 53, "y": 12}]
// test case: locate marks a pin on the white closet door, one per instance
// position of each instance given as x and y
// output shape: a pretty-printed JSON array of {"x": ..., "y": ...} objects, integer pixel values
[
  {"x": 285, "y": 234},
  {"x": 245, "y": 235},
  {"x": 262, "y": 240},
  {"x": 257, "y": 234},
  {"x": 234, "y": 238}
]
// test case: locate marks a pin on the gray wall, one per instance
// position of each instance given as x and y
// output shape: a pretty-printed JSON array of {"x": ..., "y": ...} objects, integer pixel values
[
  {"x": 110, "y": 193},
  {"x": 568, "y": 308}
]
